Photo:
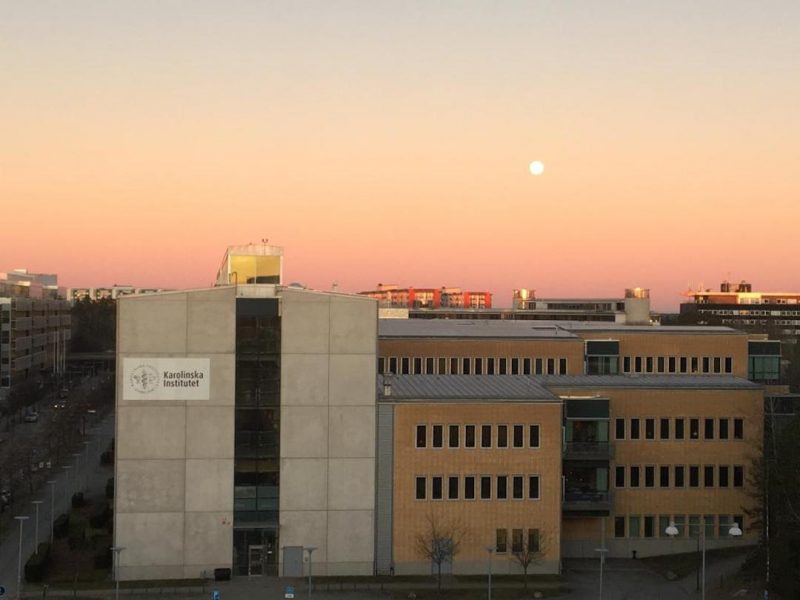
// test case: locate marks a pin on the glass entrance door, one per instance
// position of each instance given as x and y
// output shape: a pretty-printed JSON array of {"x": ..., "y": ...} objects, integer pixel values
[{"x": 255, "y": 560}]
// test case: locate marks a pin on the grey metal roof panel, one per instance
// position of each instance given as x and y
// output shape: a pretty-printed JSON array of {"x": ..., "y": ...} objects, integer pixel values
[
  {"x": 464, "y": 387},
  {"x": 470, "y": 328},
  {"x": 704, "y": 382}
]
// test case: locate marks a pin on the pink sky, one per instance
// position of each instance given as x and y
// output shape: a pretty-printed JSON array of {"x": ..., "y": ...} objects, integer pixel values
[{"x": 391, "y": 144}]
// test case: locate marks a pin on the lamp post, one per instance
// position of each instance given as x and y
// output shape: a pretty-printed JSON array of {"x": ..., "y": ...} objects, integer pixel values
[
  {"x": 490, "y": 550},
  {"x": 36, "y": 503},
  {"x": 21, "y": 520},
  {"x": 672, "y": 531},
  {"x": 309, "y": 549},
  {"x": 116, "y": 550},
  {"x": 602, "y": 552},
  {"x": 52, "y": 485}
]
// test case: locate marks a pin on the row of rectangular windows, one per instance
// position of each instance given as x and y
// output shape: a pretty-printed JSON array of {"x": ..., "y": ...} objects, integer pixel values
[
  {"x": 675, "y": 476},
  {"x": 423, "y": 490},
  {"x": 518, "y": 540},
  {"x": 675, "y": 428},
  {"x": 647, "y": 526},
  {"x": 677, "y": 364},
  {"x": 467, "y": 365},
  {"x": 470, "y": 439}
]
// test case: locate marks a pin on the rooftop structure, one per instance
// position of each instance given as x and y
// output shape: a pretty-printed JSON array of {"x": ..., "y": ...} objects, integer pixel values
[
  {"x": 251, "y": 263},
  {"x": 393, "y": 296}
]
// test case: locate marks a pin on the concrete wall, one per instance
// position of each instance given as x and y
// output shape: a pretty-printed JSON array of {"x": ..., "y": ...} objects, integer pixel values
[
  {"x": 327, "y": 473},
  {"x": 174, "y": 459}
]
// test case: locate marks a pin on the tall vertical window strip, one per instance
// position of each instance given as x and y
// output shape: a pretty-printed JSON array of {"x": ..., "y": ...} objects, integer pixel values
[{"x": 257, "y": 426}]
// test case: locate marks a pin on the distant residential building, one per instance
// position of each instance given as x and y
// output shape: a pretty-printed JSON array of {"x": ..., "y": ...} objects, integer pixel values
[
  {"x": 737, "y": 305},
  {"x": 34, "y": 327},
  {"x": 393, "y": 296},
  {"x": 113, "y": 292}
]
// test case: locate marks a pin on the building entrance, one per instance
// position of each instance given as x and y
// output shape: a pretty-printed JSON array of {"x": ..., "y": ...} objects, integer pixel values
[{"x": 255, "y": 552}]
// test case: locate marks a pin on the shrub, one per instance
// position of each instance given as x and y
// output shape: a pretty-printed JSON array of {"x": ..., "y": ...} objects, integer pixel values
[
  {"x": 100, "y": 516},
  {"x": 61, "y": 526},
  {"x": 36, "y": 567}
]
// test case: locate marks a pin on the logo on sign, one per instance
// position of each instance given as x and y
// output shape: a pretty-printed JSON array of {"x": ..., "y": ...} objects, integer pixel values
[{"x": 144, "y": 379}]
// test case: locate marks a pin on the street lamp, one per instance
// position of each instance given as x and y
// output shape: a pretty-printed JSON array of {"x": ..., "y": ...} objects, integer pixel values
[
  {"x": 52, "y": 485},
  {"x": 490, "y": 550},
  {"x": 116, "y": 550},
  {"x": 309, "y": 549},
  {"x": 672, "y": 531},
  {"x": 36, "y": 503},
  {"x": 21, "y": 520},
  {"x": 603, "y": 552}
]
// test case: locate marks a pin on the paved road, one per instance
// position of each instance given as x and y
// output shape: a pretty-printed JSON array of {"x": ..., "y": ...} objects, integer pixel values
[{"x": 67, "y": 481}]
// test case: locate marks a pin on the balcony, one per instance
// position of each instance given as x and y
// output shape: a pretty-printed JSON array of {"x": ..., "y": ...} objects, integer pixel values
[
  {"x": 586, "y": 503},
  {"x": 587, "y": 451}
]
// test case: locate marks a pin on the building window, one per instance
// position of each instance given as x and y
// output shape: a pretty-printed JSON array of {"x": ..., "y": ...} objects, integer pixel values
[
  {"x": 533, "y": 540},
  {"x": 516, "y": 540},
  {"x": 453, "y": 366},
  {"x": 490, "y": 366},
  {"x": 452, "y": 488},
  {"x": 679, "y": 428},
  {"x": 502, "y": 365},
  {"x": 634, "y": 429},
  {"x": 539, "y": 366},
  {"x": 626, "y": 368},
  {"x": 517, "y": 488},
  {"x": 405, "y": 365},
  {"x": 478, "y": 366},
  {"x": 648, "y": 363},
  {"x": 695, "y": 364},
  {"x": 694, "y": 429},
  {"x": 515, "y": 366},
  {"x": 663, "y": 476},
  {"x": 723, "y": 476},
  {"x": 694, "y": 476},
  {"x": 469, "y": 487},
  {"x": 501, "y": 545},
  {"x": 466, "y": 363},
  {"x": 619, "y": 477},
  {"x": 502, "y": 487},
  {"x": 738, "y": 476},
  {"x": 664, "y": 423},
  {"x": 694, "y": 526},
  {"x": 706, "y": 364},
  {"x": 417, "y": 366},
  {"x": 551, "y": 366},
  {"x": 562, "y": 366},
  {"x": 671, "y": 364},
  {"x": 660, "y": 368},
  {"x": 738, "y": 429},
  {"x": 663, "y": 523},
  {"x": 421, "y": 487},
  {"x": 533, "y": 487},
  {"x": 533, "y": 436},
  {"x": 717, "y": 364},
  {"x": 619, "y": 527},
  {"x": 649, "y": 527},
  {"x": 723, "y": 429},
  {"x": 650, "y": 429},
  {"x": 683, "y": 364},
  {"x": 452, "y": 437},
  {"x": 422, "y": 436},
  {"x": 518, "y": 439},
  {"x": 469, "y": 436},
  {"x": 619, "y": 428},
  {"x": 708, "y": 429},
  {"x": 634, "y": 478},
  {"x": 526, "y": 366},
  {"x": 728, "y": 364},
  {"x": 381, "y": 365},
  {"x": 637, "y": 364},
  {"x": 486, "y": 436},
  {"x": 486, "y": 487},
  {"x": 442, "y": 366},
  {"x": 436, "y": 488},
  {"x": 649, "y": 476},
  {"x": 502, "y": 436},
  {"x": 438, "y": 434},
  {"x": 634, "y": 526},
  {"x": 708, "y": 476},
  {"x": 679, "y": 476}
]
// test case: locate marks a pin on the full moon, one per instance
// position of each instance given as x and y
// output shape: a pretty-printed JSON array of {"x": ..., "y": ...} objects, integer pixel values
[{"x": 536, "y": 167}]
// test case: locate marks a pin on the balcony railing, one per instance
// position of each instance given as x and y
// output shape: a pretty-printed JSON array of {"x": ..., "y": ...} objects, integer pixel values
[
  {"x": 587, "y": 502},
  {"x": 588, "y": 450}
]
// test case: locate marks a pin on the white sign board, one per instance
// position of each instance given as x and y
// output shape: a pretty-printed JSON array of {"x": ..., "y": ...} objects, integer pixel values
[{"x": 166, "y": 378}]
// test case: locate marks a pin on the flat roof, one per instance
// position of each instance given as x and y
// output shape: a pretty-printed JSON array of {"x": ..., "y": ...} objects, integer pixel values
[
  {"x": 464, "y": 387},
  {"x": 488, "y": 328},
  {"x": 469, "y": 328},
  {"x": 697, "y": 382}
]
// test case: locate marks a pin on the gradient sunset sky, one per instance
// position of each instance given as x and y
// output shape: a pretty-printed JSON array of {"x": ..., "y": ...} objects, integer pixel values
[{"x": 390, "y": 142}]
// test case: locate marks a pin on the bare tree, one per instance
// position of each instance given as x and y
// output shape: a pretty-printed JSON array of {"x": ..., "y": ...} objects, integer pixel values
[
  {"x": 530, "y": 552},
  {"x": 440, "y": 542}
]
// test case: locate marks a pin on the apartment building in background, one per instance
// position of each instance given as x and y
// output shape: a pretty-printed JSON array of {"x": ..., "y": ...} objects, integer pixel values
[
  {"x": 35, "y": 325},
  {"x": 107, "y": 293},
  {"x": 393, "y": 296}
]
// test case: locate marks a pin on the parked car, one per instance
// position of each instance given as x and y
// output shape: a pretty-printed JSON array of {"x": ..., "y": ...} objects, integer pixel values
[
  {"x": 31, "y": 415},
  {"x": 60, "y": 404},
  {"x": 6, "y": 498}
]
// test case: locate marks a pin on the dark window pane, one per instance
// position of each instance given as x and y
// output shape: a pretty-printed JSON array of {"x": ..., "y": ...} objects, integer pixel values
[
  {"x": 738, "y": 476},
  {"x": 438, "y": 433},
  {"x": 634, "y": 478},
  {"x": 738, "y": 429},
  {"x": 694, "y": 429},
  {"x": 469, "y": 436},
  {"x": 452, "y": 488},
  {"x": 452, "y": 440},
  {"x": 421, "y": 485},
  {"x": 649, "y": 476},
  {"x": 664, "y": 429},
  {"x": 486, "y": 436},
  {"x": 519, "y": 436},
  {"x": 619, "y": 428},
  {"x": 650, "y": 429},
  {"x": 486, "y": 487},
  {"x": 634, "y": 429},
  {"x": 533, "y": 487},
  {"x": 516, "y": 488},
  {"x": 694, "y": 476},
  {"x": 502, "y": 487},
  {"x": 533, "y": 436},
  {"x": 619, "y": 527},
  {"x": 723, "y": 429},
  {"x": 679, "y": 475},
  {"x": 422, "y": 436},
  {"x": 663, "y": 476},
  {"x": 708, "y": 429},
  {"x": 708, "y": 476},
  {"x": 502, "y": 436},
  {"x": 436, "y": 488},
  {"x": 619, "y": 478},
  {"x": 469, "y": 488},
  {"x": 679, "y": 425},
  {"x": 723, "y": 476}
]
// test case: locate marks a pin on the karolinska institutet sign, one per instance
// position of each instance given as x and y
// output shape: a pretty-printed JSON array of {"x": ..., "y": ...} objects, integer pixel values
[{"x": 166, "y": 378}]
